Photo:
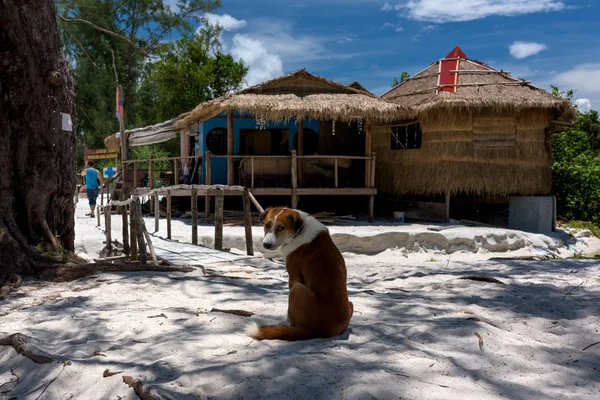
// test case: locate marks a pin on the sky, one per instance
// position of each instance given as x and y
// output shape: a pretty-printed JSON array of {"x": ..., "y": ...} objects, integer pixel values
[{"x": 372, "y": 41}]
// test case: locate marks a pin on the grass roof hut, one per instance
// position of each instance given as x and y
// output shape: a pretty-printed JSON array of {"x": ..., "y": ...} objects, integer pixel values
[{"x": 479, "y": 131}]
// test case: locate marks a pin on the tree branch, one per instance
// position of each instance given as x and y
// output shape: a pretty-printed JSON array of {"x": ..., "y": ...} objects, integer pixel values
[
  {"x": 83, "y": 21},
  {"x": 84, "y": 50}
]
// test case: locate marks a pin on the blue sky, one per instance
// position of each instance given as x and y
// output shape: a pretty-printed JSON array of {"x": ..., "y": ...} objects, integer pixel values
[{"x": 545, "y": 41}]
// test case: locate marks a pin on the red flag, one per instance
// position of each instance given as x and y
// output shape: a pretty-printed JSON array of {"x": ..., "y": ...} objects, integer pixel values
[{"x": 120, "y": 112}]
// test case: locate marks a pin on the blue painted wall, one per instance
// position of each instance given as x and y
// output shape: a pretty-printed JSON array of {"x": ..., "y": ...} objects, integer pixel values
[{"x": 218, "y": 166}]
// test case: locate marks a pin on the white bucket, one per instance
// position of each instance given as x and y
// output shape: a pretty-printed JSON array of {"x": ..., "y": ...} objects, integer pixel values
[{"x": 399, "y": 216}]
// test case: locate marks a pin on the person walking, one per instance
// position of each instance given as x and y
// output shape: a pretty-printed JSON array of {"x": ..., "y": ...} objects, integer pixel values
[
  {"x": 93, "y": 185},
  {"x": 186, "y": 173}
]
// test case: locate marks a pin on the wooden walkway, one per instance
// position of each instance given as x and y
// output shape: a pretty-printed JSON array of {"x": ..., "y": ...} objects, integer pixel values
[{"x": 177, "y": 253}]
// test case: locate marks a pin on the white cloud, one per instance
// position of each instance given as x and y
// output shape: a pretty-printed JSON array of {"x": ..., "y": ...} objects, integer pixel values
[
  {"x": 441, "y": 11},
  {"x": 584, "y": 79},
  {"x": 262, "y": 63},
  {"x": 225, "y": 21},
  {"x": 395, "y": 27},
  {"x": 525, "y": 49},
  {"x": 583, "y": 105}
]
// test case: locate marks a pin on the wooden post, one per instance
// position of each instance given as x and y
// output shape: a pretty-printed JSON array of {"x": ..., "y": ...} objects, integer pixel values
[
  {"x": 135, "y": 180},
  {"x": 132, "y": 232},
  {"x": 152, "y": 252},
  {"x": 168, "y": 214},
  {"x": 156, "y": 213},
  {"x": 207, "y": 178},
  {"x": 371, "y": 208},
  {"x": 125, "y": 230},
  {"x": 294, "y": 179},
  {"x": 252, "y": 172},
  {"x": 219, "y": 219},
  {"x": 372, "y": 170},
  {"x": 300, "y": 166},
  {"x": 230, "y": 171},
  {"x": 335, "y": 171},
  {"x": 122, "y": 138},
  {"x": 194, "y": 216},
  {"x": 207, "y": 181},
  {"x": 98, "y": 215},
  {"x": 447, "y": 213},
  {"x": 107, "y": 228},
  {"x": 151, "y": 178},
  {"x": 248, "y": 223},
  {"x": 175, "y": 173},
  {"x": 139, "y": 229},
  {"x": 368, "y": 143}
]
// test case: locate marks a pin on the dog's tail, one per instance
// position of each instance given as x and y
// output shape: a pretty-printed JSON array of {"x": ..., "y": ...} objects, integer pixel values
[{"x": 277, "y": 332}]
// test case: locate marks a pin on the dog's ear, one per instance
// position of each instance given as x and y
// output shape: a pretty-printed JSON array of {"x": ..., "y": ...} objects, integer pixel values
[
  {"x": 297, "y": 222},
  {"x": 263, "y": 215}
]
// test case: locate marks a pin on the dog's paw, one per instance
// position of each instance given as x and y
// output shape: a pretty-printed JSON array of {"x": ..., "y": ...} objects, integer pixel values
[{"x": 251, "y": 329}]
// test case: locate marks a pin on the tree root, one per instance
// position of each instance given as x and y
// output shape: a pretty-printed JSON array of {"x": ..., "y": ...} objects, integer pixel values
[
  {"x": 67, "y": 273},
  {"x": 22, "y": 345},
  {"x": 14, "y": 282},
  {"x": 144, "y": 392}
]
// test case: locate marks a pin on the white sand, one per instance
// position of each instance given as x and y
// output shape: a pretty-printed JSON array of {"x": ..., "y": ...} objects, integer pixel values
[{"x": 412, "y": 335}]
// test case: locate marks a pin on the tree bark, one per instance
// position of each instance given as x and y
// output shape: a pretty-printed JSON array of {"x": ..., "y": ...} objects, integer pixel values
[{"x": 37, "y": 157}]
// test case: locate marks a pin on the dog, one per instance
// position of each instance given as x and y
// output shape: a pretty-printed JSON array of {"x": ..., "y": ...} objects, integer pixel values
[{"x": 318, "y": 305}]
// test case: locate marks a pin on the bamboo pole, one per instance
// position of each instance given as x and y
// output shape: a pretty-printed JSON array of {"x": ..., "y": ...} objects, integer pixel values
[
  {"x": 300, "y": 166},
  {"x": 139, "y": 230},
  {"x": 447, "y": 210},
  {"x": 107, "y": 229},
  {"x": 125, "y": 230},
  {"x": 194, "y": 216},
  {"x": 132, "y": 232},
  {"x": 207, "y": 182},
  {"x": 368, "y": 146},
  {"x": 372, "y": 171},
  {"x": 230, "y": 171},
  {"x": 152, "y": 252},
  {"x": 168, "y": 214},
  {"x": 156, "y": 213},
  {"x": 252, "y": 172},
  {"x": 98, "y": 215},
  {"x": 219, "y": 219},
  {"x": 135, "y": 179},
  {"x": 151, "y": 177},
  {"x": 255, "y": 202},
  {"x": 248, "y": 223},
  {"x": 335, "y": 171},
  {"x": 175, "y": 173}
]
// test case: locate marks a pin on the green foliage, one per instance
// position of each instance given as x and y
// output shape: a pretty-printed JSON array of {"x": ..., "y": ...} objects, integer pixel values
[
  {"x": 403, "y": 77},
  {"x": 144, "y": 153},
  {"x": 576, "y": 176},
  {"x": 581, "y": 225},
  {"x": 576, "y": 167},
  {"x": 96, "y": 57},
  {"x": 188, "y": 73}
]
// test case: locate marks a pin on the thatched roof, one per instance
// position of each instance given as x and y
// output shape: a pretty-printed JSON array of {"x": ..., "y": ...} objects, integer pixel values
[
  {"x": 300, "y": 95},
  {"x": 152, "y": 134},
  {"x": 459, "y": 82},
  {"x": 356, "y": 85}
]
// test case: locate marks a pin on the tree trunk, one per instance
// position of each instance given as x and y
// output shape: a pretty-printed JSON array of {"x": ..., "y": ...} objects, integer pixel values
[{"x": 37, "y": 157}]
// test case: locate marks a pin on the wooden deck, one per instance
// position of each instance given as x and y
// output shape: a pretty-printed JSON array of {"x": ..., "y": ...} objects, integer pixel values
[{"x": 177, "y": 253}]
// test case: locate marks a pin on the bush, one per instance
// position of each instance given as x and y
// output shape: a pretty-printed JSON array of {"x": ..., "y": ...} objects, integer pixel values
[
  {"x": 576, "y": 176},
  {"x": 143, "y": 153}
]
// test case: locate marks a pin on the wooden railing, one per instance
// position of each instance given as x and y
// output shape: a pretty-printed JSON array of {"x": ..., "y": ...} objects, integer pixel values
[{"x": 294, "y": 163}]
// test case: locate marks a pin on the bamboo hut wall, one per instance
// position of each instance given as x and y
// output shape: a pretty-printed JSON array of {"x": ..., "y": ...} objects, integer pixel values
[{"x": 449, "y": 161}]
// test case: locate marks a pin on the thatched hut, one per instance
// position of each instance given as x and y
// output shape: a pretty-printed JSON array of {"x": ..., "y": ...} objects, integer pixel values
[
  {"x": 262, "y": 134},
  {"x": 479, "y": 131}
]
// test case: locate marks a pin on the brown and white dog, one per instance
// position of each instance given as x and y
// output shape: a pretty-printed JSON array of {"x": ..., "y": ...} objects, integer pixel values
[{"x": 318, "y": 305}]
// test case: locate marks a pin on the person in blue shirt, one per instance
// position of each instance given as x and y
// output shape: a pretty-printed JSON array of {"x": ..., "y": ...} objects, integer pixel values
[{"x": 93, "y": 185}]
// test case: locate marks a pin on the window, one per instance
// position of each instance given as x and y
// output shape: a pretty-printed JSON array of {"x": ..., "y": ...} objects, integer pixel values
[
  {"x": 216, "y": 141},
  {"x": 264, "y": 142},
  {"x": 311, "y": 141},
  {"x": 406, "y": 137}
]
